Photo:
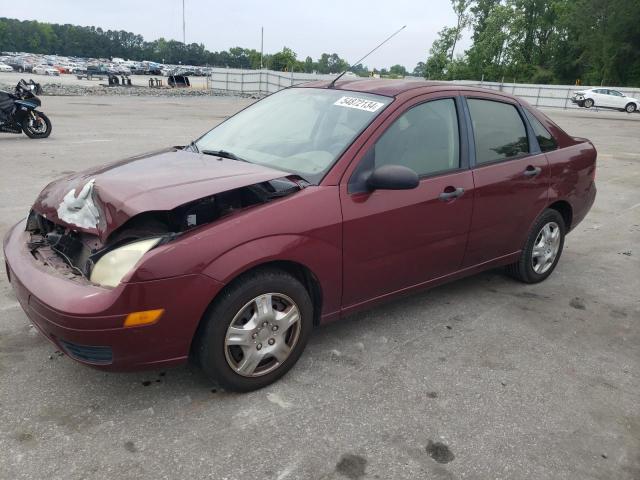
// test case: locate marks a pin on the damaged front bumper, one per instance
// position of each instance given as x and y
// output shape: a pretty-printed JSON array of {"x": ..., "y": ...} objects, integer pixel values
[{"x": 86, "y": 321}]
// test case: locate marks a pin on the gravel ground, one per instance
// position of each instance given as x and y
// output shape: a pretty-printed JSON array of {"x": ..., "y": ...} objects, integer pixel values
[
  {"x": 484, "y": 378},
  {"x": 69, "y": 85}
]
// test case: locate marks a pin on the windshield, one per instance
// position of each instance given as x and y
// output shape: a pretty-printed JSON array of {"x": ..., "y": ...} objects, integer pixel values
[{"x": 298, "y": 130}]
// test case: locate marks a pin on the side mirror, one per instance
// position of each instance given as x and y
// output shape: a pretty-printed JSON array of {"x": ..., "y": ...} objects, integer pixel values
[{"x": 392, "y": 177}]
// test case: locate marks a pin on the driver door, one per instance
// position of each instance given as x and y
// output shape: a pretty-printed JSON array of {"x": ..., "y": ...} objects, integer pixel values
[
  {"x": 617, "y": 99},
  {"x": 397, "y": 239},
  {"x": 605, "y": 99}
]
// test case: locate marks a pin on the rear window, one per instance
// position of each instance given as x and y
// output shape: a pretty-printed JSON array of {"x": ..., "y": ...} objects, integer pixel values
[
  {"x": 545, "y": 139},
  {"x": 498, "y": 129}
]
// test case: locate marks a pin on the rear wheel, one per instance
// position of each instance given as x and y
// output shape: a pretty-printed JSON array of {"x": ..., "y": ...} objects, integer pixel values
[
  {"x": 542, "y": 250},
  {"x": 588, "y": 103},
  {"x": 630, "y": 108},
  {"x": 38, "y": 125},
  {"x": 255, "y": 331}
]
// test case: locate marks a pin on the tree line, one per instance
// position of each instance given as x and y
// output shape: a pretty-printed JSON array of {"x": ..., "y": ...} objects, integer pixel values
[
  {"x": 94, "y": 42},
  {"x": 593, "y": 42},
  {"x": 533, "y": 41}
]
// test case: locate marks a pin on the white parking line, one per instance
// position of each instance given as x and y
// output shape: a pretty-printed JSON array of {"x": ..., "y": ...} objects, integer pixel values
[{"x": 617, "y": 154}]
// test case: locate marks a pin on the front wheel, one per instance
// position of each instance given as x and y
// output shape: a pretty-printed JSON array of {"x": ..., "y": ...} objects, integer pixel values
[
  {"x": 630, "y": 108},
  {"x": 37, "y": 125},
  {"x": 588, "y": 103},
  {"x": 255, "y": 331},
  {"x": 542, "y": 249}
]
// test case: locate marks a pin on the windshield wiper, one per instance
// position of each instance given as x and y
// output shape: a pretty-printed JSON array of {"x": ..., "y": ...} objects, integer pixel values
[{"x": 223, "y": 154}]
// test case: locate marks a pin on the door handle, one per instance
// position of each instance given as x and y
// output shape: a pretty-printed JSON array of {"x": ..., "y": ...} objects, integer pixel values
[
  {"x": 451, "y": 192},
  {"x": 532, "y": 171}
]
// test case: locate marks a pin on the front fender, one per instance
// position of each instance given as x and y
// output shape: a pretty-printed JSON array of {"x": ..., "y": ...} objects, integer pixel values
[{"x": 322, "y": 258}]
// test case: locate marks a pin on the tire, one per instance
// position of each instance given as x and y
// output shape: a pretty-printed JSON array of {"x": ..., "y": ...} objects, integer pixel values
[
  {"x": 588, "y": 103},
  {"x": 533, "y": 268},
  {"x": 31, "y": 132},
  {"x": 20, "y": 70},
  {"x": 630, "y": 108},
  {"x": 234, "y": 344}
]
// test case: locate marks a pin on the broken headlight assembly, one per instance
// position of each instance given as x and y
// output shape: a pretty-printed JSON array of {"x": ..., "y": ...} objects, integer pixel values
[{"x": 110, "y": 268}]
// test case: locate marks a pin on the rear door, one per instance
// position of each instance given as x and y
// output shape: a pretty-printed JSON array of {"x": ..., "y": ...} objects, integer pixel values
[
  {"x": 511, "y": 177},
  {"x": 396, "y": 239}
]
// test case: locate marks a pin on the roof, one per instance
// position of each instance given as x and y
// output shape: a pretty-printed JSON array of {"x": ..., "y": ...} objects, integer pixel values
[
  {"x": 378, "y": 86},
  {"x": 392, "y": 88}
]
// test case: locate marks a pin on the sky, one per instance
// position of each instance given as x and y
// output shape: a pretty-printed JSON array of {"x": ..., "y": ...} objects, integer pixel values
[{"x": 348, "y": 28}]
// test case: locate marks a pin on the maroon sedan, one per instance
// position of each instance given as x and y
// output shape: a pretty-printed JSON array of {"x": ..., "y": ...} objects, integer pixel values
[{"x": 311, "y": 204}]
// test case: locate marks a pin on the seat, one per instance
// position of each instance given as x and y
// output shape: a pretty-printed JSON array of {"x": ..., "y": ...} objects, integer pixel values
[{"x": 6, "y": 104}]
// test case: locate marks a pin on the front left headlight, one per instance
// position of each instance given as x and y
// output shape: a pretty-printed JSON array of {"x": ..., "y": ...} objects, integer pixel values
[{"x": 111, "y": 268}]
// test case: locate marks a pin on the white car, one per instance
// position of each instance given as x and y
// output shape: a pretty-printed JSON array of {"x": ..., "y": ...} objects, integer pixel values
[
  {"x": 45, "y": 70},
  {"x": 5, "y": 68},
  {"x": 606, "y": 98}
]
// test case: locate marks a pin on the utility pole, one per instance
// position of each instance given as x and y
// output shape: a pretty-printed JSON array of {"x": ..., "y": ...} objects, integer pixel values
[
  {"x": 184, "y": 36},
  {"x": 261, "y": 45}
]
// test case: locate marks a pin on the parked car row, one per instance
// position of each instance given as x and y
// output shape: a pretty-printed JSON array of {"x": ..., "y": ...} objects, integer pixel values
[
  {"x": 45, "y": 70},
  {"x": 46, "y": 64}
]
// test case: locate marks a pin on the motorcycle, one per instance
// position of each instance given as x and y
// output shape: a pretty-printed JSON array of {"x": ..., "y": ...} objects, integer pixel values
[{"x": 18, "y": 111}]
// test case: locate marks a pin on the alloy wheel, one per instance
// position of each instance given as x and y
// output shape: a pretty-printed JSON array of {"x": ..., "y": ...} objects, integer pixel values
[
  {"x": 545, "y": 248},
  {"x": 262, "y": 335}
]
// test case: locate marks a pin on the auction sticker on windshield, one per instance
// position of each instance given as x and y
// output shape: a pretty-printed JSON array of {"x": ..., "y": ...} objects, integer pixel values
[{"x": 359, "y": 103}]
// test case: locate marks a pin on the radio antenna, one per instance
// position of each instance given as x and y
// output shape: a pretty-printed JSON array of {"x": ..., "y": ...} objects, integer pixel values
[{"x": 333, "y": 83}]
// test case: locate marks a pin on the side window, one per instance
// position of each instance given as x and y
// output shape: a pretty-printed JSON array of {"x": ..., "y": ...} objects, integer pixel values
[
  {"x": 615, "y": 93},
  {"x": 498, "y": 129},
  {"x": 545, "y": 139},
  {"x": 425, "y": 139}
]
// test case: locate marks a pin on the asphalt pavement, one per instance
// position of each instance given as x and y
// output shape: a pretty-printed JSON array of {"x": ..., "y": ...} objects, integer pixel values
[{"x": 483, "y": 378}]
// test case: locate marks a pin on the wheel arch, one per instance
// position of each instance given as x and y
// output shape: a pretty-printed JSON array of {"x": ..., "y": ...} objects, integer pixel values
[
  {"x": 299, "y": 271},
  {"x": 565, "y": 209},
  {"x": 316, "y": 261}
]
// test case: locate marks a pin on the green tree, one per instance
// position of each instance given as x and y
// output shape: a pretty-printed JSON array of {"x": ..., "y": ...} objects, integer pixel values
[
  {"x": 359, "y": 70},
  {"x": 438, "y": 59},
  {"x": 309, "y": 65},
  {"x": 420, "y": 70},
  {"x": 398, "y": 71},
  {"x": 285, "y": 60},
  {"x": 331, "y": 63},
  {"x": 490, "y": 55},
  {"x": 460, "y": 9}
]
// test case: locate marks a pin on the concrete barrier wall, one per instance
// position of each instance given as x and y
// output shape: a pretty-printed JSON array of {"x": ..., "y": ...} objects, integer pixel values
[
  {"x": 258, "y": 81},
  {"x": 551, "y": 96},
  {"x": 264, "y": 82}
]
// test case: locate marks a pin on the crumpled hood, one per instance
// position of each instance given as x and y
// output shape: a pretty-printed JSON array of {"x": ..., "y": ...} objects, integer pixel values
[{"x": 100, "y": 200}]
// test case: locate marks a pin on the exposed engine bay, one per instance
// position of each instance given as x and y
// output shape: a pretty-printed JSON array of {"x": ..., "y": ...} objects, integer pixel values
[{"x": 74, "y": 253}]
